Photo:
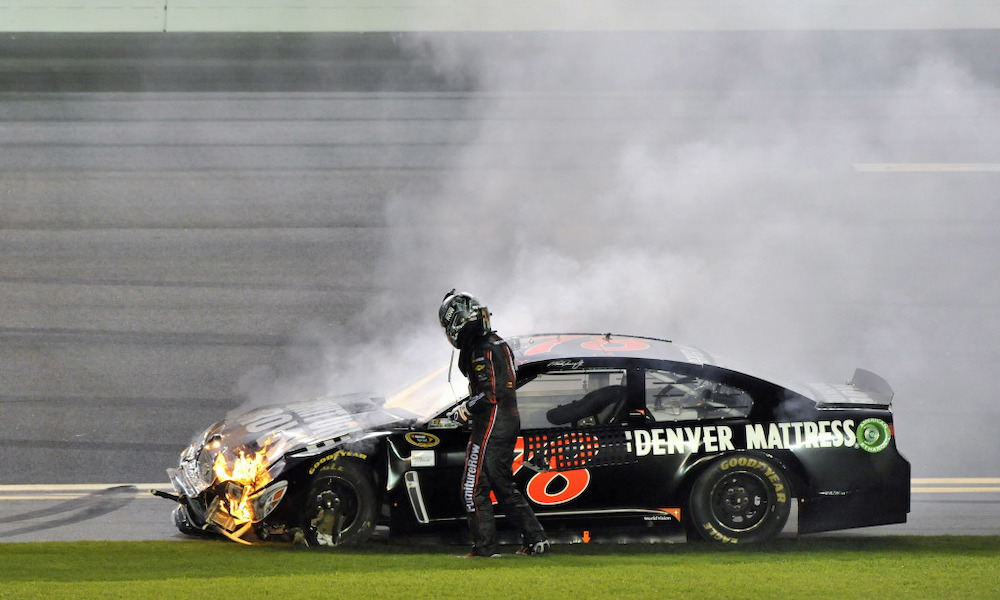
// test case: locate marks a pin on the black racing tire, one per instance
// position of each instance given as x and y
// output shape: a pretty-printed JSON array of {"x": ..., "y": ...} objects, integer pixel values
[
  {"x": 353, "y": 484},
  {"x": 739, "y": 499}
]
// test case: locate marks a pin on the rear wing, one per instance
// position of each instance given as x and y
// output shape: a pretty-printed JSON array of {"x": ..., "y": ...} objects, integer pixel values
[
  {"x": 872, "y": 385},
  {"x": 864, "y": 389}
]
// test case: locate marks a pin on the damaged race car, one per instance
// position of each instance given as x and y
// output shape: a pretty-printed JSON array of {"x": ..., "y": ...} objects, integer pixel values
[{"x": 623, "y": 439}]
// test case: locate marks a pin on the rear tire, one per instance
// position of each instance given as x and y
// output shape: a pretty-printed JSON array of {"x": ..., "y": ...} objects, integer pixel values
[
  {"x": 740, "y": 499},
  {"x": 352, "y": 484}
]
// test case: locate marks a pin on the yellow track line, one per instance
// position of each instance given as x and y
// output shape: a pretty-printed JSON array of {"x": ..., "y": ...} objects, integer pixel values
[
  {"x": 955, "y": 490},
  {"x": 955, "y": 485},
  {"x": 956, "y": 481},
  {"x": 70, "y": 491}
]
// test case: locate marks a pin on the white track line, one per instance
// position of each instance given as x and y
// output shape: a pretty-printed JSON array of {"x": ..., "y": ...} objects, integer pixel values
[
  {"x": 71, "y": 491},
  {"x": 77, "y": 487}
]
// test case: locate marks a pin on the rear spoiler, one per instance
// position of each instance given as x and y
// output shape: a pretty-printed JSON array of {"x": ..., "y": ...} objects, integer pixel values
[
  {"x": 872, "y": 385},
  {"x": 864, "y": 389}
]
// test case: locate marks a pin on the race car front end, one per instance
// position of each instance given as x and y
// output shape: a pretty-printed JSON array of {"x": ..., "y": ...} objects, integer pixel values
[
  {"x": 264, "y": 473},
  {"x": 225, "y": 490}
]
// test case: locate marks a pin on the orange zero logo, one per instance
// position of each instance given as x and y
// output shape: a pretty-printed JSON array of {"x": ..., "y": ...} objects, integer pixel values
[{"x": 551, "y": 487}]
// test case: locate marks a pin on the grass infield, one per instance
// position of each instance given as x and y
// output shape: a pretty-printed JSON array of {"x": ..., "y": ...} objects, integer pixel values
[{"x": 811, "y": 567}]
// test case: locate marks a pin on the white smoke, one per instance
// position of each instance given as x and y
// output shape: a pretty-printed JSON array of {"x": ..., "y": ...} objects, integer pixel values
[
  {"x": 709, "y": 189},
  {"x": 738, "y": 218}
]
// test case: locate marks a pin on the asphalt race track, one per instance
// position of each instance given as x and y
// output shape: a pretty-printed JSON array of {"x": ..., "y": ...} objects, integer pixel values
[
  {"x": 184, "y": 217},
  {"x": 130, "y": 512}
]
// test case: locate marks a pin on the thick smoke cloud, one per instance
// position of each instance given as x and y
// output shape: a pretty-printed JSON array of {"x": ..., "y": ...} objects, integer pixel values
[
  {"x": 730, "y": 199},
  {"x": 723, "y": 190}
]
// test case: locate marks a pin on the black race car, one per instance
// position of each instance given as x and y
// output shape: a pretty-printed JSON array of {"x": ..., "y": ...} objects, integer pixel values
[{"x": 623, "y": 439}]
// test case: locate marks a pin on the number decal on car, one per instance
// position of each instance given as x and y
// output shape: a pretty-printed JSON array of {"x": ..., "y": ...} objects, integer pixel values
[
  {"x": 615, "y": 344},
  {"x": 599, "y": 342},
  {"x": 551, "y": 487}
]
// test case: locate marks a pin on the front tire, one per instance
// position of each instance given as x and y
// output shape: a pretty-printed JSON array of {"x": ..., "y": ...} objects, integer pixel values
[
  {"x": 740, "y": 499},
  {"x": 357, "y": 505},
  {"x": 182, "y": 520}
]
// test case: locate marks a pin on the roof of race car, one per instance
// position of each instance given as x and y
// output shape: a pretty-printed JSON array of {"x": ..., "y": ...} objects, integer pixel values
[
  {"x": 548, "y": 347},
  {"x": 556, "y": 346},
  {"x": 545, "y": 347}
]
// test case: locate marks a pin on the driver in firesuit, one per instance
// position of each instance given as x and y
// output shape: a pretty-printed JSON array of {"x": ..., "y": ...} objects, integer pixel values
[{"x": 487, "y": 361}]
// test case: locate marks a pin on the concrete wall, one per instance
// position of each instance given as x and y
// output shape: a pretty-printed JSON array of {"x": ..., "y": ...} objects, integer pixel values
[
  {"x": 490, "y": 15},
  {"x": 81, "y": 15}
]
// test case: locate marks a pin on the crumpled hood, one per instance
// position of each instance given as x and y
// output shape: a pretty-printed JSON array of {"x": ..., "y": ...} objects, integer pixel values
[
  {"x": 301, "y": 429},
  {"x": 309, "y": 426}
]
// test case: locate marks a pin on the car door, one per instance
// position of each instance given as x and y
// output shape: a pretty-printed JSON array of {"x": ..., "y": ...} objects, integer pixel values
[
  {"x": 573, "y": 455},
  {"x": 621, "y": 439},
  {"x": 690, "y": 414}
]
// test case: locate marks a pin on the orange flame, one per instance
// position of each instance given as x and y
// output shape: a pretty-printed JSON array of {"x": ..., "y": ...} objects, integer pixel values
[{"x": 250, "y": 472}]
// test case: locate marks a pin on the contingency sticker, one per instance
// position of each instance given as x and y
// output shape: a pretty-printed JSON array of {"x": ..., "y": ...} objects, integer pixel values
[
  {"x": 422, "y": 440},
  {"x": 874, "y": 435}
]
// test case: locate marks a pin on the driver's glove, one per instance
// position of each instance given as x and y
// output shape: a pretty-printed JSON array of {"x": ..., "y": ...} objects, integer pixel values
[{"x": 460, "y": 414}]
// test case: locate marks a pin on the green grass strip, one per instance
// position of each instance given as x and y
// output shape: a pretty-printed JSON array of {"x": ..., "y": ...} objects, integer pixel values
[{"x": 834, "y": 567}]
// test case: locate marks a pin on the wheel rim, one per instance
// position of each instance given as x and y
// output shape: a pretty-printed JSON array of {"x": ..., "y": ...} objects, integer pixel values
[
  {"x": 740, "y": 501},
  {"x": 348, "y": 500}
]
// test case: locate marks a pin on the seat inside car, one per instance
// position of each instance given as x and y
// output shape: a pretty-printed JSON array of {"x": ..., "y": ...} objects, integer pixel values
[{"x": 597, "y": 407}]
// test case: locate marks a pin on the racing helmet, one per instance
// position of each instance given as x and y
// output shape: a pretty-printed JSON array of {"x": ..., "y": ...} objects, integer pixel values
[{"x": 463, "y": 317}]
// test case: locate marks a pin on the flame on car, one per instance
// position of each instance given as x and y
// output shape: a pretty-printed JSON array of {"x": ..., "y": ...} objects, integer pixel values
[{"x": 249, "y": 473}]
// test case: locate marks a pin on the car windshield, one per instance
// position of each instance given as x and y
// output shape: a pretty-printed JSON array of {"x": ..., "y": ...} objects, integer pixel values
[{"x": 431, "y": 394}]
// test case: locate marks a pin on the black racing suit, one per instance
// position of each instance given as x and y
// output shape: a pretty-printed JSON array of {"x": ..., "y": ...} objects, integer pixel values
[{"x": 489, "y": 364}]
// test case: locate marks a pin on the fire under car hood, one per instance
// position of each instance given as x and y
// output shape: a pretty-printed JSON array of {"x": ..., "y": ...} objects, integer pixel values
[{"x": 279, "y": 430}]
